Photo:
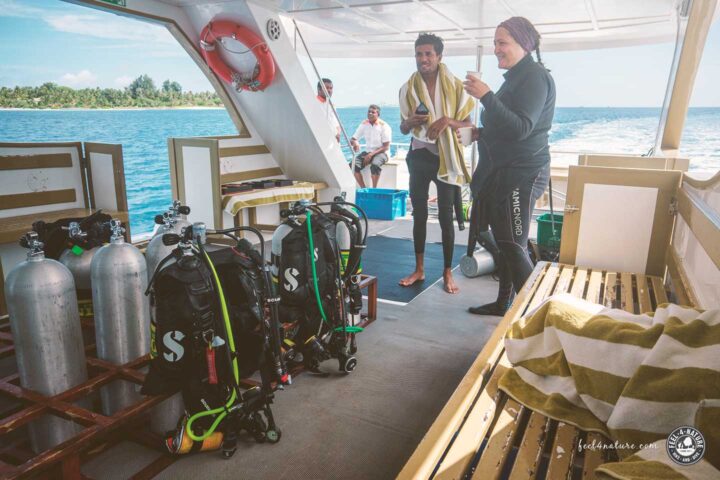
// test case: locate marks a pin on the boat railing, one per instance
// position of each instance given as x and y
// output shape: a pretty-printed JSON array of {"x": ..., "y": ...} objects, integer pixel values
[{"x": 328, "y": 98}]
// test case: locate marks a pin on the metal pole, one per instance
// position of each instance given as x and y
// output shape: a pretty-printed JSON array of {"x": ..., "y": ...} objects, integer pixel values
[{"x": 327, "y": 96}]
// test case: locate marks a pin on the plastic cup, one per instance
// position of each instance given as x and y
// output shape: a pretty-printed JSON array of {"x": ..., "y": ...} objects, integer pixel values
[
  {"x": 475, "y": 74},
  {"x": 465, "y": 134}
]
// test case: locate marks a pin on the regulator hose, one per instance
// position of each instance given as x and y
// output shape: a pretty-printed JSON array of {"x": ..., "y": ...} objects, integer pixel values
[
  {"x": 308, "y": 214},
  {"x": 221, "y": 412}
]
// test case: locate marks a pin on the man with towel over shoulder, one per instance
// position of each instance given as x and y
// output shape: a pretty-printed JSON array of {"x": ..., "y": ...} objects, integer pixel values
[{"x": 433, "y": 103}]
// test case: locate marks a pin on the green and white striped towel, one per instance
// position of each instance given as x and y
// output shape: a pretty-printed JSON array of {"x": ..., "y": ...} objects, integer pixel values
[{"x": 633, "y": 378}]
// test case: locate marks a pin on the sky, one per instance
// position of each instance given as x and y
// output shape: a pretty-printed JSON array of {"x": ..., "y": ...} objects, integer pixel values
[{"x": 53, "y": 41}]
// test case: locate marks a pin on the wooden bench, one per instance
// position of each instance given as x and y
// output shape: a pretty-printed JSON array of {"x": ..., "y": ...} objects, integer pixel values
[
  {"x": 483, "y": 434},
  {"x": 50, "y": 181}
]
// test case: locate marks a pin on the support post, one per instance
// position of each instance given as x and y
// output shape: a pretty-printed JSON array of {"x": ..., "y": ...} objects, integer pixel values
[{"x": 694, "y": 20}]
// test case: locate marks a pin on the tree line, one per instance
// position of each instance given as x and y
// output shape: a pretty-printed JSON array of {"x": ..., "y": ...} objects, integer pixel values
[{"x": 142, "y": 92}]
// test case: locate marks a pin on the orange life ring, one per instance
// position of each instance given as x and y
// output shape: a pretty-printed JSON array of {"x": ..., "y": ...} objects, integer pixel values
[{"x": 265, "y": 69}]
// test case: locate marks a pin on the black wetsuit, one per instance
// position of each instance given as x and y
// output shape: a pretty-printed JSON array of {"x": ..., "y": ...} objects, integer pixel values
[
  {"x": 423, "y": 168},
  {"x": 514, "y": 164}
]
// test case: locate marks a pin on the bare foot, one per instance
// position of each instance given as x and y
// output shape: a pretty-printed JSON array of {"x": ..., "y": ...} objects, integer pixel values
[
  {"x": 450, "y": 286},
  {"x": 412, "y": 279}
]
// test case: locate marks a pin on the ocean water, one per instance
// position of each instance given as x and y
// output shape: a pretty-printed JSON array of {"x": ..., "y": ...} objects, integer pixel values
[{"x": 144, "y": 133}]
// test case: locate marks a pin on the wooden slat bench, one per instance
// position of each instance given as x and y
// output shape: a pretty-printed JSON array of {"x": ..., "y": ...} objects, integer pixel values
[{"x": 483, "y": 434}]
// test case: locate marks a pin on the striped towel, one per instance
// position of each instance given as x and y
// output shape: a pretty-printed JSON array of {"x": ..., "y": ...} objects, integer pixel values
[
  {"x": 454, "y": 102},
  {"x": 633, "y": 378}
]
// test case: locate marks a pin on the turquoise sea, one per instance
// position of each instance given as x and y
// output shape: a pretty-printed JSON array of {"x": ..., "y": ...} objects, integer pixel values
[{"x": 144, "y": 133}]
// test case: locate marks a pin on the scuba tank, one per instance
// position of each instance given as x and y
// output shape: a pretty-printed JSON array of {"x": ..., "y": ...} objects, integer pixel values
[
  {"x": 319, "y": 299},
  {"x": 73, "y": 242},
  {"x": 122, "y": 312},
  {"x": 196, "y": 332},
  {"x": 78, "y": 259},
  {"x": 171, "y": 221},
  {"x": 45, "y": 325},
  {"x": 485, "y": 259},
  {"x": 164, "y": 416}
]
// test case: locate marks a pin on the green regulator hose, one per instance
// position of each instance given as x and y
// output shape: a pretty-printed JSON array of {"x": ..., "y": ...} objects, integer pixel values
[
  {"x": 221, "y": 412},
  {"x": 312, "y": 262}
]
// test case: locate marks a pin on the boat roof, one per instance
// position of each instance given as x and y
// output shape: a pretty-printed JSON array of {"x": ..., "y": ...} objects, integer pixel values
[{"x": 388, "y": 28}]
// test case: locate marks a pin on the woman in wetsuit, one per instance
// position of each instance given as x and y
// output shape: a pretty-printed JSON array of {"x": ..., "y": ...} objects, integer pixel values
[{"x": 514, "y": 157}]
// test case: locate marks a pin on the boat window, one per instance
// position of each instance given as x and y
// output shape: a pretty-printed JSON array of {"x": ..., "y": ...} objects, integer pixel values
[
  {"x": 91, "y": 76},
  {"x": 608, "y": 100},
  {"x": 700, "y": 142}
]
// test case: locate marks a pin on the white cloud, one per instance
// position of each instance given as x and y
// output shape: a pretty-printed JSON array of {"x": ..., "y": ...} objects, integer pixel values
[
  {"x": 9, "y": 8},
  {"x": 84, "y": 78},
  {"x": 110, "y": 27},
  {"x": 123, "y": 81},
  {"x": 107, "y": 26}
]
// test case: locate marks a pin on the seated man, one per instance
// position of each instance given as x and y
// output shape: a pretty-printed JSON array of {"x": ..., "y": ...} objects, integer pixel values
[{"x": 377, "y": 135}]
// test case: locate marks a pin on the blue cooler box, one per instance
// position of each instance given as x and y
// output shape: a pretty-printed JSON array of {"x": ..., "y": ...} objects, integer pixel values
[{"x": 382, "y": 203}]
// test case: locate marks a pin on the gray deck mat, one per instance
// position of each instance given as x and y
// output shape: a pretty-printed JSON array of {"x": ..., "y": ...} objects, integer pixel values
[{"x": 364, "y": 425}]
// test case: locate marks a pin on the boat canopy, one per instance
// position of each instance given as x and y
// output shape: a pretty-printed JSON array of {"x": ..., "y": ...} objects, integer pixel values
[{"x": 387, "y": 28}]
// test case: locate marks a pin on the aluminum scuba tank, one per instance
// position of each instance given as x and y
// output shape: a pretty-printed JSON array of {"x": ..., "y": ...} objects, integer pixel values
[
  {"x": 78, "y": 260},
  {"x": 479, "y": 263},
  {"x": 122, "y": 312},
  {"x": 342, "y": 234},
  {"x": 45, "y": 325},
  {"x": 276, "y": 248},
  {"x": 164, "y": 416},
  {"x": 172, "y": 221}
]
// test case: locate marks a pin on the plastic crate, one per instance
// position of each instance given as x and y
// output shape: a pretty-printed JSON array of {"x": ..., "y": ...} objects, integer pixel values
[
  {"x": 382, "y": 203},
  {"x": 545, "y": 237}
]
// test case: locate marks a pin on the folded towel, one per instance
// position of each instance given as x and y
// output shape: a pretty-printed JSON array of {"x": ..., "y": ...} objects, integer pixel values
[
  {"x": 633, "y": 378},
  {"x": 454, "y": 103}
]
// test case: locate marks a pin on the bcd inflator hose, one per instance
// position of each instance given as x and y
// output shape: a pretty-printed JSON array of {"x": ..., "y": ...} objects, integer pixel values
[
  {"x": 312, "y": 262},
  {"x": 350, "y": 329},
  {"x": 221, "y": 412}
]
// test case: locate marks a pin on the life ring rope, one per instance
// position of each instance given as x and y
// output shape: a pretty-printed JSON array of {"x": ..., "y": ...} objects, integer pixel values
[{"x": 264, "y": 70}]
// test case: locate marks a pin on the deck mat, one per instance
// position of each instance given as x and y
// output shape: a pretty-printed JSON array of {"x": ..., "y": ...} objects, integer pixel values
[{"x": 390, "y": 259}]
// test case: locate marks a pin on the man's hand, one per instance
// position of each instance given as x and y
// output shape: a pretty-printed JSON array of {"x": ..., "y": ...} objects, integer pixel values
[
  {"x": 367, "y": 159},
  {"x": 355, "y": 145},
  {"x": 475, "y": 87},
  {"x": 434, "y": 130},
  {"x": 415, "y": 120}
]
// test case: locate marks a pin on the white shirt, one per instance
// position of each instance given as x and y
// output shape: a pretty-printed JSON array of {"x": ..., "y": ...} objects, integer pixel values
[
  {"x": 330, "y": 116},
  {"x": 375, "y": 134}
]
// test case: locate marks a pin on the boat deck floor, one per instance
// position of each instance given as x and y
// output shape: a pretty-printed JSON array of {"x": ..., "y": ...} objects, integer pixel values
[{"x": 359, "y": 426}]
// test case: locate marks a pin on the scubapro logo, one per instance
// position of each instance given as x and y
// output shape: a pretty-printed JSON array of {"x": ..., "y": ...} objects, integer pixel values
[
  {"x": 291, "y": 275},
  {"x": 685, "y": 445},
  {"x": 171, "y": 341}
]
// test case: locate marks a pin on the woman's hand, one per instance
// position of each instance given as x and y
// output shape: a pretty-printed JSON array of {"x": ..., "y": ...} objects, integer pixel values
[
  {"x": 475, "y": 87},
  {"x": 475, "y": 136},
  {"x": 434, "y": 130}
]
